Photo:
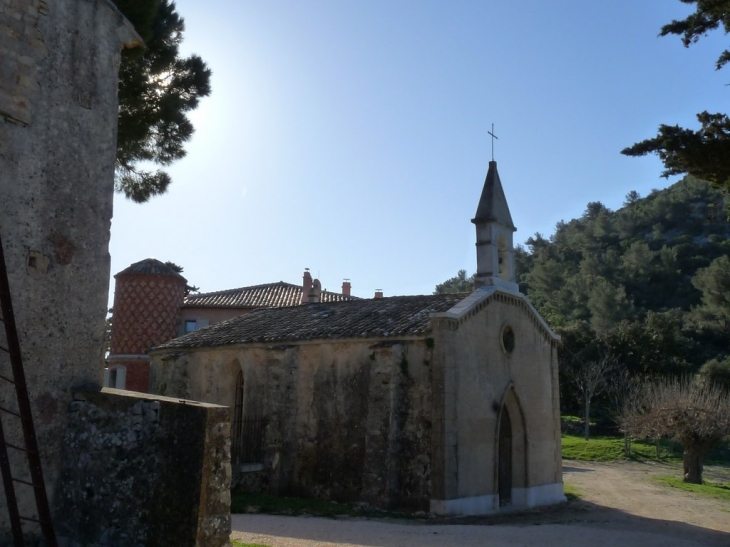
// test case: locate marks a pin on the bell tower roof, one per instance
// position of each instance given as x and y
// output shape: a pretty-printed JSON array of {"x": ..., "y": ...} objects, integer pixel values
[{"x": 493, "y": 205}]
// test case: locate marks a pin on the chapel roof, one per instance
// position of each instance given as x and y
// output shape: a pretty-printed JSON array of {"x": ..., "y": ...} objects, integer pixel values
[
  {"x": 268, "y": 295},
  {"x": 364, "y": 318},
  {"x": 151, "y": 266},
  {"x": 492, "y": 204}
]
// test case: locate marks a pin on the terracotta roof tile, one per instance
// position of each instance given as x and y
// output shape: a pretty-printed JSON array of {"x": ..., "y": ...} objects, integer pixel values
[
  {"x": 269, "y": 295},
  {"x": 366, "y": 318}
]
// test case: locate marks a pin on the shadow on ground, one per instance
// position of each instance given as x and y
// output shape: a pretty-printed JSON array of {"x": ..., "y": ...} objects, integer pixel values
[{"x": 574, "y": 523}]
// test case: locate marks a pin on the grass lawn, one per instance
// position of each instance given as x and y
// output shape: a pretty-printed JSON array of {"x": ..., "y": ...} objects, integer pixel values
[
  {"x": 571, "y": 492},
  {"x": 240, "y": 544},
  {"x": 605, "y": 449},
  {"x": 717, "y": 490}
]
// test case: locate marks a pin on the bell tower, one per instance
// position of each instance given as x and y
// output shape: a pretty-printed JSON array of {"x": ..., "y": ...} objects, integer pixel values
[{"x": 495, "y": 250}]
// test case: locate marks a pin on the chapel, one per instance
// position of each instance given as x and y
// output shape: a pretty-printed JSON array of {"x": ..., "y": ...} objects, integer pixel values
[{"x": 443, "y": 403}]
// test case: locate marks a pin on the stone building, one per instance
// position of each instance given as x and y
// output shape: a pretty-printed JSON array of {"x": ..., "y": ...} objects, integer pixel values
[
  {"x": 441, "y": 402},
  {"x": 201, "y": 310},
  {"x": 152, "y": 306}
]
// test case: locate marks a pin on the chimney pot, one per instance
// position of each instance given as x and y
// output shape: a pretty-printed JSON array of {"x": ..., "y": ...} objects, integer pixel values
[
  {"x": 315, "y": 293},
  {"x": 378, "y": 293},
  {"x": 306, "y": 285}
]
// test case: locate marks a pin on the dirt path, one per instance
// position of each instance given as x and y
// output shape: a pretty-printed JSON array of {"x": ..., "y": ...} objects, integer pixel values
[
  {"x": 627, "y": 487},
  {"x": 619, "y": 506}
]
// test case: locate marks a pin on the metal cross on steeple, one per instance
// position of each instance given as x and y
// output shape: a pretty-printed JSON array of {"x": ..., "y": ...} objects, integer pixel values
[{"x": 493, "y": 137}]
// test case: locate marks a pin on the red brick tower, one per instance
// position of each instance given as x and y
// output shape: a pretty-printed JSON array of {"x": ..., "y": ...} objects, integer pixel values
[{"x": 147, "y": 301}]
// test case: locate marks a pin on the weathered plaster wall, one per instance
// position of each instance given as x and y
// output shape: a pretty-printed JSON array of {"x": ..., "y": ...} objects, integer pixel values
[
  {"x": 143, "y": 470},
  {"x": 473, "y": 377},
  {"x": 347, "y": 420},
  {"x": 58, "y": 109}
]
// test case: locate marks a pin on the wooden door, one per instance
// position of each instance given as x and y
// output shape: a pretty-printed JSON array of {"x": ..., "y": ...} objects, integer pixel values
[{"x": 504, "y": 456}]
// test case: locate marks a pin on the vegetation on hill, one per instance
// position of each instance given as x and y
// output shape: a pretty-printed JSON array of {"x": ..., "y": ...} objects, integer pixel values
[{"x": 648, "y": 285}]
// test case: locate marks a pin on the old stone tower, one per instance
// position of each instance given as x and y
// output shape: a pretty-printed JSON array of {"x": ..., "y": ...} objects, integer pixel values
[
  {"x": 58, "y": 118},
  {"x": 147, "y": 301}
]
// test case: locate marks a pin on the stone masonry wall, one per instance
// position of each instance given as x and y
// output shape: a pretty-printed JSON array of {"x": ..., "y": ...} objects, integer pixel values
[
  {"x": 58, "y": 116},
  {"x": 18, "y": 74},
  {"x": 135, "y": 465},
  {"x": 347, "y": 420}
]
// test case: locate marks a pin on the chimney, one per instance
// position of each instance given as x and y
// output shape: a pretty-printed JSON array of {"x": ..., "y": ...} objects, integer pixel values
[
  {"x": 315, "y": 292},
  {"x": 346, "y": 287},
  {"x": 306, "y": 285},
  {"x": 378, "y": 293}
]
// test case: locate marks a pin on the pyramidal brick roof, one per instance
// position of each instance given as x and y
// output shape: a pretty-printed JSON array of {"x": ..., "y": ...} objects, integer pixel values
[
  {"x": 151, "y": 266},
  {"x": 269, "y": 295},
  {"x": 365, "y": 318}
]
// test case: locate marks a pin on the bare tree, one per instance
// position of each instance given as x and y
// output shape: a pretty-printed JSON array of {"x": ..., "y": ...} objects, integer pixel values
[
  {"x": 697, "y": 414},
  {"x": 590, "y": 378},
  {"x": 623, "y": 393}
]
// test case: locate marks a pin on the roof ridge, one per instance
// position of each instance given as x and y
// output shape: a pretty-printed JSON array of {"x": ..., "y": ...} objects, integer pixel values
[{"x": 248, "y": 287}]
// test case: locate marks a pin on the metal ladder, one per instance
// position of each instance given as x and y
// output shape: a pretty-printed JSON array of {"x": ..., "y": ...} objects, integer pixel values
[{"x": 23, "y": 413}]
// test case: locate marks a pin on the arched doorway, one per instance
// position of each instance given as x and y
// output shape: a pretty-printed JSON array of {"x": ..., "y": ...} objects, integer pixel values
[
  {"x": 510, "y": 470},
  {"x": 504, "y": 475}
]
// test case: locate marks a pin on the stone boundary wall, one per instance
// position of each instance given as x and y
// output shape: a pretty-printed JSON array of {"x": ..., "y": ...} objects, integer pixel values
[{"x": 133, "y": 467}]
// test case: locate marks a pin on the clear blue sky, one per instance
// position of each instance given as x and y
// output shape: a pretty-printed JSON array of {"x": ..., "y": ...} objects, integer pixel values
[{"x": 351, "y": 137}]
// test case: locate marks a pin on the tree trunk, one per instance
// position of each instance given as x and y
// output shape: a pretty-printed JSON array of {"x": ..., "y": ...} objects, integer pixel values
[
  {"x": 692, "y": 460},
  {"x": 586, "y": 431},
  {"x": 627, "y": 446}
]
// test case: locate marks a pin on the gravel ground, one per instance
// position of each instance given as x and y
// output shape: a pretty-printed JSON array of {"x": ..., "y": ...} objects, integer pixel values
[{"x": 619, "y": 506}]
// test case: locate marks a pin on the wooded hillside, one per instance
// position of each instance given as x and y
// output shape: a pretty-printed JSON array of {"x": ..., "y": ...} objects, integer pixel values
[{"x": 647, "y": 285}]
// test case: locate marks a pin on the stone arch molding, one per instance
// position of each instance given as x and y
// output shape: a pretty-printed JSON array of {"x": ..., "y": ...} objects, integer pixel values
[{"x": 520, "y": 458}]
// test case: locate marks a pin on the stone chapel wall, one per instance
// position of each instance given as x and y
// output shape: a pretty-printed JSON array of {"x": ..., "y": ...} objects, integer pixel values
[
  {"x": 345, "y": 420},
  {"x": 475, "y": 377}
]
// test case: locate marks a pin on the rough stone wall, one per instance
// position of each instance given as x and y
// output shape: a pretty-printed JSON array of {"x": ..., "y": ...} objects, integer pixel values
[
  {"x": 58, "y": 111},
  {"x": 134, "y": 466},
  {"x": 345, "y": 420}
]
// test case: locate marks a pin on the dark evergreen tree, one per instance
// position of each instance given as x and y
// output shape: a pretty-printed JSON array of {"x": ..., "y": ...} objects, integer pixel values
[
  {"x": 459, "y": 284},
  {"x": 704, "y": 152},
  {"x": 157, "y": 89},
  {"x": 714, "y": 283}
]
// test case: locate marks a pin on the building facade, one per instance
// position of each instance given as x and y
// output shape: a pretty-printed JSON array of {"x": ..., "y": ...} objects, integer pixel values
[{"x": 447, "y": 403}]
